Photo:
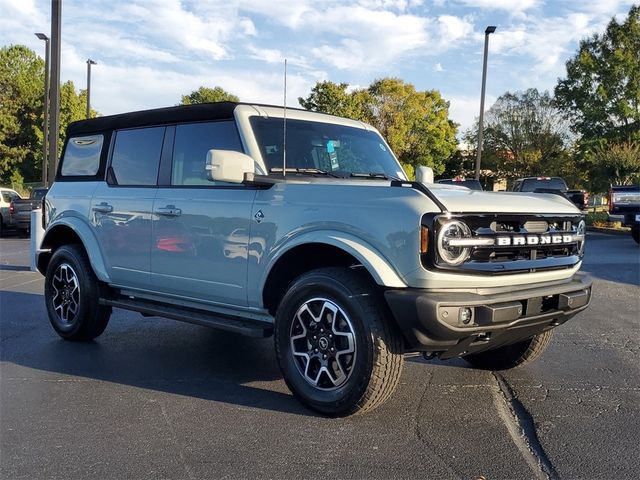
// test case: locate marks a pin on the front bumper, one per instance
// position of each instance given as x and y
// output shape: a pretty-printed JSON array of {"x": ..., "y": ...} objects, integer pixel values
[{"x": 433, "y": 321}]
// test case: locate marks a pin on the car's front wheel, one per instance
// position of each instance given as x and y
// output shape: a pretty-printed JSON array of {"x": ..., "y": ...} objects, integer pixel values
[
  {"x": 338, "y": 351},
  {"x": 71, "y": 294}
]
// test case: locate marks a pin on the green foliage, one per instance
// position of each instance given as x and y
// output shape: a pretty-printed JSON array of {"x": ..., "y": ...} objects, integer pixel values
[
  {"x": 208, "y": 95},
  {"x": 526, "y": 135},
  {"x": 334, "y": 99},
  {"x": 21, "y": 92},
  {"x": 613, "y": 163},
  {"x": 16, "y": 181},
  {"x": 601, "y": 95},
  {"x": 21, "y": 113},
  {"x": 602, "y": 89},
  {"x": 415, "y": 124}
]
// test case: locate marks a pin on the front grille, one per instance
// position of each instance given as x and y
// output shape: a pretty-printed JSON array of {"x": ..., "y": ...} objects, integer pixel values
[{"x": 521, "y": 243}]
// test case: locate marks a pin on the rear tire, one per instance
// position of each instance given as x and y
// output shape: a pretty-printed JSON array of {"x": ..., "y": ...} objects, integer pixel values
[
  {"x": 71, "y": 292},
  {"x": 511, "y": 356},
  {"x": 635, "y": 233},
  {"x": 338, "y": 350}
]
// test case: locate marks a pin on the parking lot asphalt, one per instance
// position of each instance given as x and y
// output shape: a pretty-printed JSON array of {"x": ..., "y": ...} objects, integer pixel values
[{"x": 155, "y": 398}]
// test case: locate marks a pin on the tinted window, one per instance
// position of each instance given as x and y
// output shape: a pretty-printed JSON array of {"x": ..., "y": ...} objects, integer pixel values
[
  {"x": 531, "y": 184},
  {"x": 82, "y": 156},
  {"x": 191, "y": 145},
  {"x": 8, "y": 197},
  {"x": 472, "y": 184},
  {"x": 136, "y": 156},
  {"x": 38, "y": 193}
]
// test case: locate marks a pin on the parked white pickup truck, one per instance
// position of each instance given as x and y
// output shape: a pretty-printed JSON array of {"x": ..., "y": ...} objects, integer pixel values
[{"x": 195, "y": 214}]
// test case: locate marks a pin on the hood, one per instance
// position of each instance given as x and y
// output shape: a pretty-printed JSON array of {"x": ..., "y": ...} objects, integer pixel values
[{"x": 461, "y": 199}]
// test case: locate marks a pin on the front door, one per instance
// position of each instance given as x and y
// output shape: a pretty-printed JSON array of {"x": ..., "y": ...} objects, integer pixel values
[{"x": 200, "y": 243}]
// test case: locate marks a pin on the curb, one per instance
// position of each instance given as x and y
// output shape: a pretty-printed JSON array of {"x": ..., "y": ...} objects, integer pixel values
[{"x": 613, "y": 231}]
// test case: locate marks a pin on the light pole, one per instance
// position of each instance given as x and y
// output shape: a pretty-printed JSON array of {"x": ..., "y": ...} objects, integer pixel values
[
  {"x": 89, "y": 63},
  {"x": 490, "y": 29},
  {"x": 54, "y": 89},
  {"x": 45, "y": 122}
]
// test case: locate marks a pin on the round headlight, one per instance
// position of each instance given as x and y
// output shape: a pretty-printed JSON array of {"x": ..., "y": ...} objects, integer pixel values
[{"x": 453, "y": 254}]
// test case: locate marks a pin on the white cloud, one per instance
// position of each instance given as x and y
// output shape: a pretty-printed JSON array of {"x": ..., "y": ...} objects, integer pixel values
[
  {"x": 510, "y": 6},
  {"x": 438, "y": 67},
  {"x": 547, "y": 41},
  {"x": 464, "y": 109}
]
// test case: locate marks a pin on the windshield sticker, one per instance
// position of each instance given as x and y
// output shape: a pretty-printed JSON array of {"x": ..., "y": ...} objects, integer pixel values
[
  {"x": 333, "y": 157},
  {"x": 330, "y": 147},
  {"x": 382, "y": 147}
]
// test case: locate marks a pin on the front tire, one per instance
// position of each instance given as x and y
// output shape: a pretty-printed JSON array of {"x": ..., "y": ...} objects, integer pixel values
[
  {"x": 339, "y": 352},
  {"x": 512, "y": 356},
  {"x": 71, "y": 294}
]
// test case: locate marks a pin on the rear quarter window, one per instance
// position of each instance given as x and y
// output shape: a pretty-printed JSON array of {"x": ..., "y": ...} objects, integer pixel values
[{"x": 82, "y": 156}]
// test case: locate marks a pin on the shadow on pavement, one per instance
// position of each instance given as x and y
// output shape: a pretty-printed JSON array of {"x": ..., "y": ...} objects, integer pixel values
[{"x": 149, "y": 353}]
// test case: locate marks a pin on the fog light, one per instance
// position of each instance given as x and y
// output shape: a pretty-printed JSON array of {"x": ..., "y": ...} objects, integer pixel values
[{"x": 465, "y": 315}]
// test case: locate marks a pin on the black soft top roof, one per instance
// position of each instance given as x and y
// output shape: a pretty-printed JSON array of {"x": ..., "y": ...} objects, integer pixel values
[
  {"x": 182, "y": 113},
  {"x": 158, "y": 116}
]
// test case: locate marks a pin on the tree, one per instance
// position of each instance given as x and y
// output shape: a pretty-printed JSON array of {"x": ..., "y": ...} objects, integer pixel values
[
  {"x": 415, "y": 124},
  {"x": 21, "y": 92},
  {"x": 525, "y": 135},
  {"x": 21, "y": 113},
  {"x": 602, "y": 90},
  {"x": 615, "y": 163},
  {"x": 208, "y": 95},
  {"x": 334, "y": 99}
]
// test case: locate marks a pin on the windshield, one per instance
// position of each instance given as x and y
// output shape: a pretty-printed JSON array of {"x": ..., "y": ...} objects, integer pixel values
[
  {"x": 337, "y": 149},
  {"x": 555, "y": 183}
]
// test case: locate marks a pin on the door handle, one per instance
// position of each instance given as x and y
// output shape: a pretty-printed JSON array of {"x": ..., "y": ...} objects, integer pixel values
[
  {"x": 102, "y": 208},
  {"x": 169, "y": 211}
]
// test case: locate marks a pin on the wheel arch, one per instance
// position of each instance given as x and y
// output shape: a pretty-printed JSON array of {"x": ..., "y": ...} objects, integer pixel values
[
  {"x": 67, "y": 232},
  {"x": 304, "y": 256}
]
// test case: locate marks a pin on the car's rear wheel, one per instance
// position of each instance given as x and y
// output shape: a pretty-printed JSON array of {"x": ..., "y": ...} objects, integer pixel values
[
  {"x": 71, "y": 294},
  {"x": 635, "y": 233},
  {"x": 512, "y": 356},
  {"x": 338, "y": 351}
]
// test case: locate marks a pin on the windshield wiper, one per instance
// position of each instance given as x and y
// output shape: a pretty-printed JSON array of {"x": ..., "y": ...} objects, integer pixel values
[
  {"x": 376, "y": 176},
  {"x": 311, "y": 171}
]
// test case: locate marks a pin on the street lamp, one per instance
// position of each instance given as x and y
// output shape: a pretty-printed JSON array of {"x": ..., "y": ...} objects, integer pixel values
[
  {"x": 490, "y": 29},
  {"x": 89, "y": 63},
  {"x": 45, "y": 122}
]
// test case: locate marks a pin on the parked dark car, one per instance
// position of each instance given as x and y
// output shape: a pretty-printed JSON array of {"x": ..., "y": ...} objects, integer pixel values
[
  {"x": 462, "y": 182},
  {"x": 624, "y": 200},
  {"x": 556, "y": 185}
]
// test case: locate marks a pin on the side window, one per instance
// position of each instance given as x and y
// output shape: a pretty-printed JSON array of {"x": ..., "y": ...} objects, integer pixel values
[
  {"x": 192, "y": 142},
  {"x": 82, "y": 156},
  {"x": 136, "y": 156}
]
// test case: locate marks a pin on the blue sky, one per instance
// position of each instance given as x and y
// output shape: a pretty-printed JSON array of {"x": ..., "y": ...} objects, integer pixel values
[{"x": 150, "y": 52}]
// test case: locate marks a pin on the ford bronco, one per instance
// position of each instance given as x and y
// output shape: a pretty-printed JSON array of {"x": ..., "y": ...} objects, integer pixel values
[{"x": 212, "y": 214}]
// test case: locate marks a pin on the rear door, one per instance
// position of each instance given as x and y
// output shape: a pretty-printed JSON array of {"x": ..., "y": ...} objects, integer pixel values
[
  {"x": 121, "y": 207},
  {"x": 200, "y": 246}
]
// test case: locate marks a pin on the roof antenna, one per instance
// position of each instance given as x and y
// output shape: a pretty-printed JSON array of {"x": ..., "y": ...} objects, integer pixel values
[{"x": 284, "y": 139}]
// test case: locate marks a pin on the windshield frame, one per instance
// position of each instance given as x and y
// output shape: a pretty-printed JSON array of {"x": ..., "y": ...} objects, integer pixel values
[{"x": 256, "y": 151}]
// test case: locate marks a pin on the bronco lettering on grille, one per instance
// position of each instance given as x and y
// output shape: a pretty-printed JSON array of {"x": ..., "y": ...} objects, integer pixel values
[{"x": 521, "y": 240}]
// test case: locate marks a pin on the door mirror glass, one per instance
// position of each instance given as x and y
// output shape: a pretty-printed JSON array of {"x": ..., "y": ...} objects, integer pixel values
[
  {"x": 424, "y": 174},
  {"x": 228, "y": 166}
]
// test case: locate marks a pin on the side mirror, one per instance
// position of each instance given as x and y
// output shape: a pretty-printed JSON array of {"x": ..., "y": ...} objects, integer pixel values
[
  {"x": 424, "y": 174},
  {"x": 228, "y": 166}
]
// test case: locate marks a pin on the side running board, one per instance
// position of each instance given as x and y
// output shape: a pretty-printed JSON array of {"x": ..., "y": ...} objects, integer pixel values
[{"x": 243, "y": 326}]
